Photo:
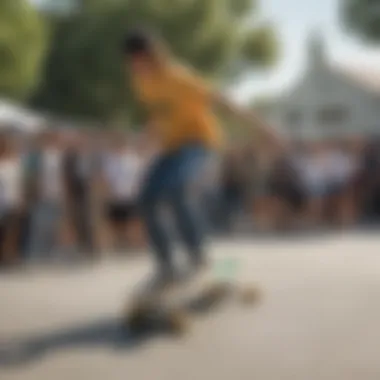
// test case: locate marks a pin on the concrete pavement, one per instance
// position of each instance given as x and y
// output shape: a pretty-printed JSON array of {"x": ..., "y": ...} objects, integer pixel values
[{"x": 318, "y": 320}]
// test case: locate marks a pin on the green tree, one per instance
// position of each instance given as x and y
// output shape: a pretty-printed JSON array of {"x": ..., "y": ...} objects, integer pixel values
[
  {"x": 362, "y": 17},
  {"x": 84, "y": 73},
  {"x": 23, "y": 40}
]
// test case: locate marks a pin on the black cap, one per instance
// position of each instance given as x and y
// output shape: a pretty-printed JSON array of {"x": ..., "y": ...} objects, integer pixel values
[{"x": 138, "y": 41}]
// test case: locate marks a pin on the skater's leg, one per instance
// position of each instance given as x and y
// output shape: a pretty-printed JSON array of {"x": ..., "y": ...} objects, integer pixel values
[
  {"x": 183, "y": 196},
  {"x": 152, "y": 194},
  {"x": 190, "y": 222}
]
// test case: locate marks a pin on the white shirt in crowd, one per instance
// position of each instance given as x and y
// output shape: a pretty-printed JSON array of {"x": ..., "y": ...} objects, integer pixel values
[
  {"x": 10, "y": 184},
  {"x": 123, "y": 172},
  {"x": 86, "y": 164},
  {"x": 341, "y": 167},
  {"x": 312, "y": 170},
  {"x": 51, "y": 175}
]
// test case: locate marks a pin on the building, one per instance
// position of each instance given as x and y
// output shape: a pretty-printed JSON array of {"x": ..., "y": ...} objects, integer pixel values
[{"x": 329, "y": 101}]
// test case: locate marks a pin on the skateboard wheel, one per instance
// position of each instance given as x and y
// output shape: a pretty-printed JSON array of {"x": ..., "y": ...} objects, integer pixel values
[
  {"x": 218, "y": 291},
  {"x": 178, "y": 323},
  {"x": 250, "y": 295},
  {"x": 136, "y": 321},
  {"x": 215, "y": 289}
]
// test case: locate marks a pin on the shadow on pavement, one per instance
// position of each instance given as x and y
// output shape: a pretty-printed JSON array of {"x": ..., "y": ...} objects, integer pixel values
[{"x": 107, "y": 333}]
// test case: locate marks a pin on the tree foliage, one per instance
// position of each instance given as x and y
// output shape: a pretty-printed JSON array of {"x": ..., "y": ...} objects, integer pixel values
[
  {"x": 22, "y": 45},
  {"x": 362, "y": 17},
  {"x": 85, "y": 74}
]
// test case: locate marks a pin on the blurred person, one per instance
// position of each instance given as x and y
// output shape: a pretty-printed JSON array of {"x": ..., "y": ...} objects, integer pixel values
[
  {"x": 85, "y": 181},
  {"x": 252, "y": 159},
  {"x": 103, "y": 236},
  {"x": 29, "y": 185},
  {"x": 341, "y": 168},
  {"x": 313, "y": 171},
  {"x": 47, "y": 217},
  {"x": 357, "y": 148},
  {"x": 74, "y": 225},
  {"x": 250, "y": 173},
  {"x": 368, "y": 180},
  {"x": 92, "y": 168},
  {"x": 147, "y": 150},
  {"x": 210, "y": 189},
  {"x": 80, "y": 170},
  {"x": 123, "y": 170},
  {"x": 180, "y": 110},
  {"x": 286, "y": 190},
  {"x": 263, "y": 207},
  {"x": 10, "y": 201},
  {"x": 232, "y": 188}
]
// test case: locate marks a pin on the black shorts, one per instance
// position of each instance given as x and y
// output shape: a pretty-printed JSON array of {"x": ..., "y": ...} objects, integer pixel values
[
  {"x": 122, "y": 211},
  {"x": 336, "y": 188},
  {"x": 288, "y": 192}
]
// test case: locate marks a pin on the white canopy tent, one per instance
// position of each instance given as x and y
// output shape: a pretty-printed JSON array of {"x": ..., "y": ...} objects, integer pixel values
[{"x": 19, "y": 119}]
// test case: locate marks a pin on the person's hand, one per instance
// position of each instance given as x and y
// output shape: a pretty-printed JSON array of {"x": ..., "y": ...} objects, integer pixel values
[{"x": 249, "y": 117}]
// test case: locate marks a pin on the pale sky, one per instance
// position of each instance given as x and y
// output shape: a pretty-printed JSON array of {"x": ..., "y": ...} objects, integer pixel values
[{"x": 295, "y": 19}]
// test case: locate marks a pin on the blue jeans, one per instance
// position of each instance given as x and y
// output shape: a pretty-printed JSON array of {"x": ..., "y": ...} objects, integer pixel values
[{"x": 170, "y": 181}]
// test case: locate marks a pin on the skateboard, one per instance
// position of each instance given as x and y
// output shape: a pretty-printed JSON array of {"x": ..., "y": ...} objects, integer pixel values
[{"x": 172, "y": 309}]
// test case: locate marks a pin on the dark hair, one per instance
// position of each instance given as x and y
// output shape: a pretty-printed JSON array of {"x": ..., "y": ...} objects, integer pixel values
[{"x": 138, "y": 41}]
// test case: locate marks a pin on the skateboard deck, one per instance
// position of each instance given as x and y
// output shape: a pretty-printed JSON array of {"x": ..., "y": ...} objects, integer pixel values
[{"x": 172, "y": 309}]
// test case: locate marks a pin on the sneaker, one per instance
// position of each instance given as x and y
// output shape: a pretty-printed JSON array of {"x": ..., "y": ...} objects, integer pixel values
[
  {"x": 162, "y": 280},
  {"x": 200, "y": 263},
  {"x": 197, "y": 269}
]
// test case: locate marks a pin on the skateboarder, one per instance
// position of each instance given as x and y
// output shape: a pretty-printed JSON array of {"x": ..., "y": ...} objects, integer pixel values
[{"x": 179, "y": 107}]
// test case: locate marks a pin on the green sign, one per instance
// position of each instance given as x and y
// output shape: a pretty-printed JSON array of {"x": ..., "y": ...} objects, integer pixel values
[{"x": 226, "y": 268}]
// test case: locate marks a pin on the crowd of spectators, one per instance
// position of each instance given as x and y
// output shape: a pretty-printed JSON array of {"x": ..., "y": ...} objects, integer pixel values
[{"x": 68, "y": 194}]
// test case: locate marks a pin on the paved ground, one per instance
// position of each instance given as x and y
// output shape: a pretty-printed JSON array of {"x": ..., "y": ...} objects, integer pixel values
[{"x": 319, "y": 319}]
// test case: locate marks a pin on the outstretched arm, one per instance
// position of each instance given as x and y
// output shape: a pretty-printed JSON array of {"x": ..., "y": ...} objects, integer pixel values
[
  {"x": 195, "y": 87},
  {"x": 250, "y": 118}
]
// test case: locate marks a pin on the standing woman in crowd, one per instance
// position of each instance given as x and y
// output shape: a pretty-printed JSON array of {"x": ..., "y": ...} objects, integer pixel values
[
  {"x": 313, "y": 173},
  {"x": 232, "y": 188},
  {"x": 81, "y": 187},
  {"x": 286, "y": 190},
  {"x": 264, "y": 203},
  {"x": 48, "y": 211},
  {"x": 73, "y": 189},
  {"x": 10, "y": 201},
  {"x": 123, "y": 168},
  {"x": 368, "y": 180},
  {"x": 342, "y": 167}
]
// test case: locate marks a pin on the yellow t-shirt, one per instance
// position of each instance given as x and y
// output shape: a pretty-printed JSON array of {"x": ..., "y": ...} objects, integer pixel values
[{"x": 180, "y": 108}]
